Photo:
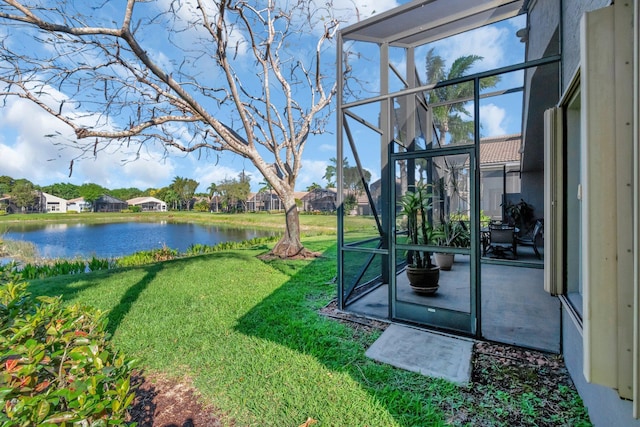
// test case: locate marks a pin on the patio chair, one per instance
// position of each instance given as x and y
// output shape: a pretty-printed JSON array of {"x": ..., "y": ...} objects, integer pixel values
[
  {"x": 501, "y": 239},
  {"x": 533, "y": 238}
]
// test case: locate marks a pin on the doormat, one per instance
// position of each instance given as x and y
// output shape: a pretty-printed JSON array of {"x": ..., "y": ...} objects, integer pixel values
[{"x": 427, "y": 353}]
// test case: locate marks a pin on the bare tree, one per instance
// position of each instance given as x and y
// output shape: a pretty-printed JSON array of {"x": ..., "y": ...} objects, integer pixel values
[{"x": 227, "y": 75}]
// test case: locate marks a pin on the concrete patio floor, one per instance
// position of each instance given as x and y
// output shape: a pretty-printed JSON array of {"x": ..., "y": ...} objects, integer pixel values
[{"x": 515, "y": 309}]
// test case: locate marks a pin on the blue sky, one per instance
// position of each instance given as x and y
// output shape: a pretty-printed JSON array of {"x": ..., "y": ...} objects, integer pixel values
[{"x": 26, "y": 153}]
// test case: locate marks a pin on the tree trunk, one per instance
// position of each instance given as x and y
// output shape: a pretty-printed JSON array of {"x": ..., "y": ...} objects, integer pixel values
[{"x": 290, "y": 246}]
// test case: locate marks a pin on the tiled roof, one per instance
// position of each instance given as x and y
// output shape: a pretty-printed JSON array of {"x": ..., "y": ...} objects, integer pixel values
[{"x": 502, "y": 149}]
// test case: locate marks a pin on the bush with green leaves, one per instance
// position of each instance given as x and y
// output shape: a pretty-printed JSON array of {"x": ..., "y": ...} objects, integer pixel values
[
  {"x": 201, "y": 206},
  {"x": 199, "y": 248},
  {"x": 58, "y": 367},
  {"x": 147, "y": 257}
]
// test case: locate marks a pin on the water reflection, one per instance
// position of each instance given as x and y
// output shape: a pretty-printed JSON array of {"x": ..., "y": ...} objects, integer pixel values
[{"x": 117, "y": 239}]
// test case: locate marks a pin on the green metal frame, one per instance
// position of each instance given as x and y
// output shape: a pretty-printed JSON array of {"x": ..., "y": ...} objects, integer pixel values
[{"x": 468, "y": 323}]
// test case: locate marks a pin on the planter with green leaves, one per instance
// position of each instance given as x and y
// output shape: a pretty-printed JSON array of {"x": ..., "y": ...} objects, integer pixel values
[
  {"x": 451, "y": 234},
  {"x": 520, "y": 215},
  {"x": 422, "y": 273}
]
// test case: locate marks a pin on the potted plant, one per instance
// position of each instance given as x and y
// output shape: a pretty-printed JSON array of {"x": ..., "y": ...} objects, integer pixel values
[
  {"x": 422, "y": 273},
  {"x": 452, "y": 234},
  {"x": 519, "y": 214}
]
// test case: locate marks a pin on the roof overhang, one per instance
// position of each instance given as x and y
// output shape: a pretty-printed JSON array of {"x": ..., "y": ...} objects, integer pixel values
[{"x": 423, "y": 21}]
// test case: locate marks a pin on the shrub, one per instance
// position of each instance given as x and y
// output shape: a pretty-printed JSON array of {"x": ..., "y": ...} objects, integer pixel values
[
  {"x": 58, "y": 366},
  {"x": 199, "y": 248},
  {"x": 147, "y": 257},
  {"x": 201, "y": 206},
  {"x": 95, "y": 264}
]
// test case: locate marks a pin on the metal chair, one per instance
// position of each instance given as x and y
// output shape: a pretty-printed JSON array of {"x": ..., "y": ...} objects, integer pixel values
[
  {"x": 502, "y": 239},
  {"x": 532, "y": 239}
]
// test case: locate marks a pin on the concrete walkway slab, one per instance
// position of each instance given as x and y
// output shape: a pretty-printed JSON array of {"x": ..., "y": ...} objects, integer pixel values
[{"x": 428, "y": 353}]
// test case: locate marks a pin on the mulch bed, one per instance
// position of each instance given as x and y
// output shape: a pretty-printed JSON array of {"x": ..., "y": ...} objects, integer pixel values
[{"x": 161, "y": 402}]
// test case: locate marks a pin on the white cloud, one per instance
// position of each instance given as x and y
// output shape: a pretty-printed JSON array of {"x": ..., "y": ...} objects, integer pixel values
[
  {"x": 312, "y": 171},
  {"x": 492, "y": 120},
  {"x": 487, "y": 42},
  {"x": 207, "y": 173},
  {"x": 26, "y": 153}
]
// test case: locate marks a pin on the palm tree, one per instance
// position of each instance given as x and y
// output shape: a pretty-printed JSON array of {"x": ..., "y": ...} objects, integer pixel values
[
  {"x": 314, "y": 186},
  {"x": 331, "y": 171},
  {"x": 267, "y": 187},
  {"x": 172, "y": 198},
  {"x": 213, "y": 190},
  {"x": 448, "y": 118}
]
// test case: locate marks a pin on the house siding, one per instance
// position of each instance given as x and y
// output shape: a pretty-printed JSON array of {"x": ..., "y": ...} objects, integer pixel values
[
  {"x": 604, "y": 406},
  {"x": 572, "y": 11}
]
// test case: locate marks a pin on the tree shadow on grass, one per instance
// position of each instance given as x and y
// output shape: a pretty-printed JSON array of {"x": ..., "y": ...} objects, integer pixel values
[
  {"x": 290, "y": 317},
  {"x": 70, "y": 286},
  {"x": 129, "y": 298}
]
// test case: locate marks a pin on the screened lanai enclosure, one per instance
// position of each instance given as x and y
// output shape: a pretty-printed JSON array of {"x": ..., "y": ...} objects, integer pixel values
[{"x": 446, "y": 98}]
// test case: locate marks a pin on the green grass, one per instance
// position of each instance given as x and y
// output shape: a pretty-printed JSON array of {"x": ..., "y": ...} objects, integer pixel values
[{"x": 248, "y": 334}]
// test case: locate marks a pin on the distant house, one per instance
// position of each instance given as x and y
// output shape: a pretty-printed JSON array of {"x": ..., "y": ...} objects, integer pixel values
[
  {"x": 53, "y": 203},
  {"x": 78, "y": 205},
  {"x": 363, "y": 206},
  {"x": 6, "y": 204},
  {"x": 500, "y": 171},
  {"x": 106, "y": 203},
  {"x": 264, "y": 201},
  {"x": 148, "y": 204},
  {"x": 320, "y": 199}
]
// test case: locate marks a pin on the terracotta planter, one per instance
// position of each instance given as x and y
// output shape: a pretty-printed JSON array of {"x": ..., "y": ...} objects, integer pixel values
[
  {"x": 444, "y": 261},
  {"x": 423, "y": 280}
]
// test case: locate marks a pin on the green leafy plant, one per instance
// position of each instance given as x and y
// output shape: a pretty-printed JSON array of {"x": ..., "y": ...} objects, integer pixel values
[
  {"x": 58, "y": 365},
  {"x": 147, "y": 257},
  {"x": 453, "y": 234},
  {"x": 201, "y": 206},
  {"x": 519, "y": 214},
  {"x": 95, "y": 264},
  {"x": 415, "y": 206}
]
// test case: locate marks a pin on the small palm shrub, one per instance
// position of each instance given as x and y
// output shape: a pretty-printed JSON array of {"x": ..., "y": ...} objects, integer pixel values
[
  {"x": 199, "y": 248},
  {"x": 58, "y": 367}
]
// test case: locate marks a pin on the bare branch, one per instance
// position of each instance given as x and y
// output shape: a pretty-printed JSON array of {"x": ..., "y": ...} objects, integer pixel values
[{"x": 229, "y": 75}]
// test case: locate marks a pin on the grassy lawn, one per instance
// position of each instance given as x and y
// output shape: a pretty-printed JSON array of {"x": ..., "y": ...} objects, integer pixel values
[{"x": 249, "y": 336}]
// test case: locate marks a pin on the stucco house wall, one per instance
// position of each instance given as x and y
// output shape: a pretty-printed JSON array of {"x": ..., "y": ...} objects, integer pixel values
[
  {"x": 572, "y": 11},
  {"x": 54, "y": 204},
  {"x": 605, "y": 406}
]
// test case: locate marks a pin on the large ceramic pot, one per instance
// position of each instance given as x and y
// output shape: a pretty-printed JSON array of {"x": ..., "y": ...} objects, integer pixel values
[
  {"x": 423, "y": 280},
  {"x": 444, "y": 261}
]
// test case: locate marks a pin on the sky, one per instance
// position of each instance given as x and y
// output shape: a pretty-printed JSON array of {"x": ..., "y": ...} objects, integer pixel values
[{"x": 26, "y": 153}]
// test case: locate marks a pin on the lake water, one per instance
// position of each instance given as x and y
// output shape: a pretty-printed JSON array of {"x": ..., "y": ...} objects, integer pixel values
[{"x": 118, "y": 239}]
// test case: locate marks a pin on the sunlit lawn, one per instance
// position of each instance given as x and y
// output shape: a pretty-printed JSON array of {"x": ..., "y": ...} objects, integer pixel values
[{"x": 248, "y": 334}]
